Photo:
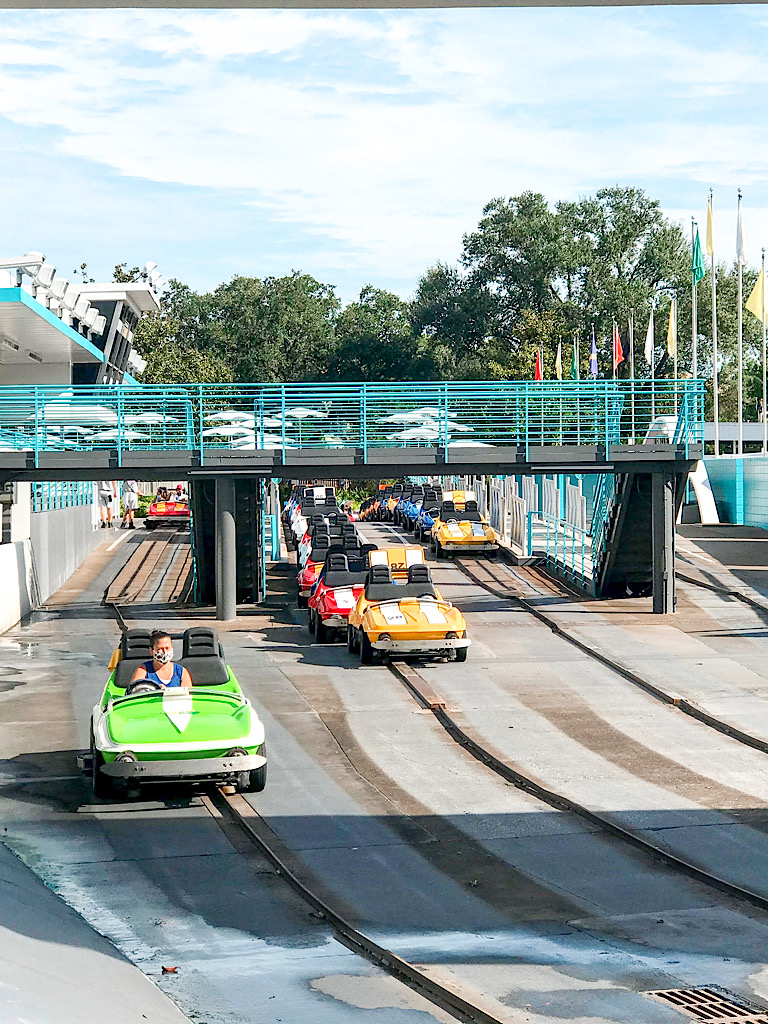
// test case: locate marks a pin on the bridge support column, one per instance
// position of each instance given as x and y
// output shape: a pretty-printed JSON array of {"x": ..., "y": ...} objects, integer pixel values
[
  {"x": 226, "y": 557},
  {"x": 663, "y": 541}
]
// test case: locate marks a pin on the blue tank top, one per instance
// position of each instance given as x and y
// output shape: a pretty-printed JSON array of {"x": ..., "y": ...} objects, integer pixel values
[{"x": 152, "y": 676}]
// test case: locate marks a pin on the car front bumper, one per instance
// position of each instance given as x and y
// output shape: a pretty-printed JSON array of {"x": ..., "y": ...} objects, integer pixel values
[
  {"x": 468, "y": 549},
  {"x": 197, "y": 768},
  {"x": 441, "y": 646}
]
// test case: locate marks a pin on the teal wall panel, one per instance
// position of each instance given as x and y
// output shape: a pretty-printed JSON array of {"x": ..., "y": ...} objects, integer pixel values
[{"x": 740, "y": 487}]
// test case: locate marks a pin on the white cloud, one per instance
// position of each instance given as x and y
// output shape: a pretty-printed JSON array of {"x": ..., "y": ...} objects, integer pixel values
[{"x": 383, "y": 134}]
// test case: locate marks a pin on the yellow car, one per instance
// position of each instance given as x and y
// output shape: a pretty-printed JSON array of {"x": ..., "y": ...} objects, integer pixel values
[
  {"x": 461, "y": 529},
  {"x": 401, "y": 612}
]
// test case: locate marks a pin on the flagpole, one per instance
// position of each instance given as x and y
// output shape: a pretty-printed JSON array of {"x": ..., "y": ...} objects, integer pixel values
[
  {"x": 694, "y": 311},
  {"x": 632, "y": 365},
  {"x": 740, "y": 385},
  {"x": 765, "y": 389},
  {"x": 653, "y": 371},
  {"x": 715, "y": 384}
]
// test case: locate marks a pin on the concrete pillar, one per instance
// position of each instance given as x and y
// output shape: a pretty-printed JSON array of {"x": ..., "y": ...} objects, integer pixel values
[
  {"x": 226, "y": 550},
  {"x": 663, "y": 541}
]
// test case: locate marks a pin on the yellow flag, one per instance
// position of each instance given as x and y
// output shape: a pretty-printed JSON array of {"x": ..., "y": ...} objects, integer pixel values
[
  {"x": 559, "y": 361},
  {"x": 755, "y": 302},
  {"x": 710, "y": 234},
  {"x": 672, "y": 329}
]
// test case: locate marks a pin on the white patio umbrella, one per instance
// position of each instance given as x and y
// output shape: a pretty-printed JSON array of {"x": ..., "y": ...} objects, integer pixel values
[
  {"x": 57, "y": 412},
  {"x": 230, "y": 416},
  {"x": 469, "y": 444},
  {"x": 416, "y": 434},
  {"x": 113, "y": 435},
  {"x": 227, "y": 430},
  {"x": 149, "y": 418},
  {"x": 301, "y": 413}
]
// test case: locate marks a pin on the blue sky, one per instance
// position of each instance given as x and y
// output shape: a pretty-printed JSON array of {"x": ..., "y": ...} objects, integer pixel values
[{"x": 359, "y": 146}]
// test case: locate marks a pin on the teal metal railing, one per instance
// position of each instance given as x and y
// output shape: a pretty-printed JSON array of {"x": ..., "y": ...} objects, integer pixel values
[
  {"x": 565, "y": 548},
  {"x": 284, "y": 417}
]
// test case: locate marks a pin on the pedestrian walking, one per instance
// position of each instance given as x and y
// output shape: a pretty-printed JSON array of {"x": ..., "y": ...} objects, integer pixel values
[
  {"x": 107, "y": 494},
  {"x": 130, "y": 503}
]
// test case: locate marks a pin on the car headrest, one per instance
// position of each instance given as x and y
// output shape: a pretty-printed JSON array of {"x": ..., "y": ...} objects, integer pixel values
[
  {"x": 200, "y": 642},
  {"x": 317, "y": 520},
  {"x": 379, "y": 574},
  {"x": 350, "y": 540},
  {"x": 470, "y": 506},
  {"x": 447, "y": 508},
  {"x": 134, "y": 645},
  {"x": 308, "y": 501},
  {"x": 419, "y": 574},
  {"x": 336, "y": 562},
  {"x": 354, "y": 554}
]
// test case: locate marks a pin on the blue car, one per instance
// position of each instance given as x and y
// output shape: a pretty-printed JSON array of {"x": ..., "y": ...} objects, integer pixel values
[
  {"x": 407, "y": 502},
  {"x": 427, "y": 514}
]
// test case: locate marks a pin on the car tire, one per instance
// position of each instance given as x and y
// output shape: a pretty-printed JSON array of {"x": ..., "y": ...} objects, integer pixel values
[
  {"x": 322, "y": 632},
  {"x": 350, "y": 640},
  {"x": 461, "y": 653},
  {"x": 366, "y": 649},
  {"x": 102, "y": 784},
  {"x": 311, "y": 621},
  {"x": 439, "y": 553},
  {"x": 303, "y": 602},
  {"x": 257, "y": 779}
]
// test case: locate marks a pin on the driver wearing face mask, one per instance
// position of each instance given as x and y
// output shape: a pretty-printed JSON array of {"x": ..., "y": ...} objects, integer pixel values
[{"x": 162, "y": 669}]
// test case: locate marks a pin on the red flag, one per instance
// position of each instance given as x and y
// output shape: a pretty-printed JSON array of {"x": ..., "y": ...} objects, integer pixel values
[
  {"x": 537, "y": 370},
  {"x": 618, "y": 349}
]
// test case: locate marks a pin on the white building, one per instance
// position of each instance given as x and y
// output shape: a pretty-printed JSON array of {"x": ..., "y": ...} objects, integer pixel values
[{"x": 56, "y": 332}]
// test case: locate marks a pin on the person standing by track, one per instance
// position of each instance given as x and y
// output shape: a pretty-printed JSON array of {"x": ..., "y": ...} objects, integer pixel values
[
  {"x": 130, "y": 503},
  {"x": 107, "y": 494}
]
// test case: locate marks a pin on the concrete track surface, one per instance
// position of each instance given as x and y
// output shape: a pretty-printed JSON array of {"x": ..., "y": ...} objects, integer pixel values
[{"x": 434, "y": 856}]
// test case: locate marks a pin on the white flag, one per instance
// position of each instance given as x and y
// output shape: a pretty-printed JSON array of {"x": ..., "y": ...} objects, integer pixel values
[
  {"x": 741, "y": 252},
  {"x": 649, "y": 341}
]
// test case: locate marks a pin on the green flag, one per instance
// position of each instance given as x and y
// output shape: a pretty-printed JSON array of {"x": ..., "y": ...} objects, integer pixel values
[
  {"x": 697, "y": 262},
  {"x": 575, "y": 362}
]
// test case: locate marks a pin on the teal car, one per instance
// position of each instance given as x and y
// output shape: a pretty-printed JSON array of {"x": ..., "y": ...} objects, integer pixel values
[{"x": 145, "y": 733}]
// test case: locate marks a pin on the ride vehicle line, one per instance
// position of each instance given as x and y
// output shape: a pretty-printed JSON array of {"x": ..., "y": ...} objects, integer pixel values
[
  {"x": 673, "y": 700},
  {"x": 234, "y": 809}
]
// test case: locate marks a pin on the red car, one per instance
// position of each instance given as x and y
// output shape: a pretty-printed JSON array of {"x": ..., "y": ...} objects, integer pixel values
[
  {"x": 335, "y": 595},
  {"x": 168, "y": 509}
]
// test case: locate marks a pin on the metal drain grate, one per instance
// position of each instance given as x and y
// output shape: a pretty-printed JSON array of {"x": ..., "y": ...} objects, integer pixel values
[{"x": 712, "y": 1004}]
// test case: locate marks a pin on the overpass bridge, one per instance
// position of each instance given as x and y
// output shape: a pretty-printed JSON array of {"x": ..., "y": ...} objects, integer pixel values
[{"x": 643, "y": 436}]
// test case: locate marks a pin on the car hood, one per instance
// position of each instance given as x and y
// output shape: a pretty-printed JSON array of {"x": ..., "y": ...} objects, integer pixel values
[
  {"x": 179, "y": 717},
  {"x": 414, "y": 614},
  {"x": 465, "y": 532}
]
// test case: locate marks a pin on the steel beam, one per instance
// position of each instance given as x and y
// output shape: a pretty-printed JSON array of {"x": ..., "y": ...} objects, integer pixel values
[
  {"x": 226, "y": 550},
  {"x": 663, "y": 541}
]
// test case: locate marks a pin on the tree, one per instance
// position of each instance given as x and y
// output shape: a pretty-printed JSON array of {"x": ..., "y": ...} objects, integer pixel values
[{"x": 375, "y": 341}]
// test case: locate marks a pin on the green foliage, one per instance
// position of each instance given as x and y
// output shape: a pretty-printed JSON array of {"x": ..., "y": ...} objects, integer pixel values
[{"x": 375, "y": 341}]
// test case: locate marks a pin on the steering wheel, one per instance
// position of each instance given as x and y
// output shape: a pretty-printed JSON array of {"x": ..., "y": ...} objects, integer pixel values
[{"x": 143, "y": 686}]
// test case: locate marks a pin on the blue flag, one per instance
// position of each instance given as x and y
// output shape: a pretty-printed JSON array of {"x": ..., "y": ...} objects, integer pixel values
[{"x": 593, "y": 356}]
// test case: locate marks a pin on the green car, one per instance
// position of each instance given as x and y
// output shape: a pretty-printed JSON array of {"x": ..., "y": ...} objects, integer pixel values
[{"x": 144, "y": 733}]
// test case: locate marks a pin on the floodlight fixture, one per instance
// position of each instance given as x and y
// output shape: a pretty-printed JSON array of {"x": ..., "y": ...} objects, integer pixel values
[
  {"x": 29, "y": 263},
  {"x": 81, "y": 308},
  {"x": 70, "y": 297},
  {"x": 149, "y": 267},
  {"x": 58, "y": 287},
  {"x": 91, "y": 317},
  {"x": 99, "y": 325}
]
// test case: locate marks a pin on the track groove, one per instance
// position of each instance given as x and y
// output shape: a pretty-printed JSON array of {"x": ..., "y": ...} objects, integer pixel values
[{"x": 673, "y": 700}]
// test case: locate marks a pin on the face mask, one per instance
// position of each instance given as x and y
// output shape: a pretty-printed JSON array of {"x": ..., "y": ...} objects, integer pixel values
[{"x": 163, "y": 656}]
